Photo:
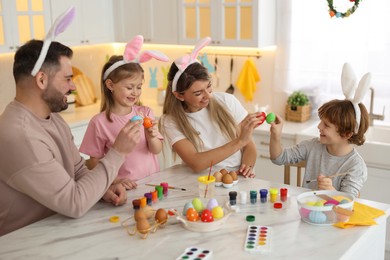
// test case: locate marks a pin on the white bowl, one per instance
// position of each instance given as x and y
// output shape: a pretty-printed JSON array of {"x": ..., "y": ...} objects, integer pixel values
[
  {"x": 202, "y": 227},
  {"x": 327, "y": 214},
  {"x": 225, "y": 185}
]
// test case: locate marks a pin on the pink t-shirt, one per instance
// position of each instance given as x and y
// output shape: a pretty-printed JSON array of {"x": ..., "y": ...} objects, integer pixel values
[{"x": 101, "y": 135}]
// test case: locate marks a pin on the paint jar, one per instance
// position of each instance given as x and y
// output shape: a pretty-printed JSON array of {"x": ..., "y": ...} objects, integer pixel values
[
  {"x": 253, "y": 196},
  {"x": 243, "y": 197},
  {"x": 233, "y": 197},
  {"x": 159, "y": 190},
  {"x": 263, "y": 195},
  {"x": 273, "y": 194},
  {"x": 142, "y": 202},
  {"x": 154, "y": 196},
  {"x": 136, "y": 204},
  {"x": 148, "y": 197},
  {"x": 206, "y": 186},
  {"x": 165, "y": 188},
  {"x": 283, "y": 194}
]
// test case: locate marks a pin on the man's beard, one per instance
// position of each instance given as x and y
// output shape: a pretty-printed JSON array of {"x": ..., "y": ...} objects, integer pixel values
[{"x": 54, "y": 99}]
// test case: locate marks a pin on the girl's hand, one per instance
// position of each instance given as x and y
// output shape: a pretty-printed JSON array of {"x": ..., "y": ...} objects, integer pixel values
[
  {"x": 127, "y": 183},
  {"x": 246, "y": 171},
  {"x": 153, "y": 130},
  {"x": 116, "y": 195},
  {"x": 324, "y": 183}
]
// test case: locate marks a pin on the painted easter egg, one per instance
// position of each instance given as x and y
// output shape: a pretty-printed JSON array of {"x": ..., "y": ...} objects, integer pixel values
[
  {"x": 186, "y": 207},
  {"x": 317, "y": 217},
  {"x": 217, "y": 212},
  {"x": 207, "y": 216},
  {"x": 198, "y": 204},
  {"x": 136, "y": 118},
  {"x": 148, "y": 122},
  {"x": 304, "y": 212},
  {"x": 212, "y": 204},
  {"x": 261, "y": 117},
  {"x": 192, "y": 215},
  {"x": 270, "y": 118}
]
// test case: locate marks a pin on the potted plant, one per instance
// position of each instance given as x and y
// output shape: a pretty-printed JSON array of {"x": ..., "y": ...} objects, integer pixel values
[{"x": 298, "y": 108}]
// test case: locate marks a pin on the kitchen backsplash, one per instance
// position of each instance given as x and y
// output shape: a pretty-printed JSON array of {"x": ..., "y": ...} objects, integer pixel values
[{"x": 90, "y": 60}]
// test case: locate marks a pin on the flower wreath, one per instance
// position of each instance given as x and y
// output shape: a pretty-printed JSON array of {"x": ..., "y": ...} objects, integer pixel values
[{"x": 334, "y": 12}]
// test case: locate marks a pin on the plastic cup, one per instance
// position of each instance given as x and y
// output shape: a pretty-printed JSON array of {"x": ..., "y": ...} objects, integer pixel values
[{"x": 206, "y": 186}]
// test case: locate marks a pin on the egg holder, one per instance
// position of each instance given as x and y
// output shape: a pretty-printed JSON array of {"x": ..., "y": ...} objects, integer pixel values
[
  {"x": 131, "y": 228},
  {"x": 327, "y": 214},
  {"x": 202, "y": 227}
]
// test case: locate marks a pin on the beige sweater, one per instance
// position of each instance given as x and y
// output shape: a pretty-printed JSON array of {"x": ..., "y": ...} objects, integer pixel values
[{"x": 42, "y": 172}]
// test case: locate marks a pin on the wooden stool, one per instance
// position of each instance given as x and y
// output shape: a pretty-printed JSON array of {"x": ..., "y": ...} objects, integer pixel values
[{"x": 287, "y": 171}]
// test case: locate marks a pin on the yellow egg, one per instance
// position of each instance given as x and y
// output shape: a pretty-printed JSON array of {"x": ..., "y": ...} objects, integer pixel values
[
  {"x": 310, "y": 203},
  {"x": 143, "y": 226},
  {"x": 319, "y": 203},
  {"x": 217, "y": 212}
]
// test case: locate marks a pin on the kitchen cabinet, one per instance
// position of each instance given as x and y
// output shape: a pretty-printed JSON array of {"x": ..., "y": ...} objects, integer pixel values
[
  {"x": 264, "y": 168},
  {"x": 155, "y": 20},
  {"x": 92, "y": 24},
  {"x": 21, "y": 21},
  {"x": 245, "y": 23}
]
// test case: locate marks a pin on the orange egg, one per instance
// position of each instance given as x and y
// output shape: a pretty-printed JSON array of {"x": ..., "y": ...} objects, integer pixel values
[
  {"x": 161, "y": 216},
  {"x": 192, "y": 215},
  {"x": 223, "y": 171},
  {"x": 139, "y": 214},
  {"x": 143, "y": 226},
  {"x": 148, "y": 122}
]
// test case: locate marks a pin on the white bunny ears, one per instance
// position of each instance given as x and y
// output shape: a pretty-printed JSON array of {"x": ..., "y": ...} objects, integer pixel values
[
  {"x": 353, "y": 94},
  {"x": 60, "y": 24},
  {"x": 130, "y": 55},
  {"x": 183, "y": 62}
]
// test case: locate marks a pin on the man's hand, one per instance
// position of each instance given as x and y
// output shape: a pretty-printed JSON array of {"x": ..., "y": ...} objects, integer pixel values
[{"x": 116, "y": 195}]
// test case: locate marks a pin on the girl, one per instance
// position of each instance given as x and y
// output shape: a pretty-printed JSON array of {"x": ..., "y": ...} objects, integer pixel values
[
  {"x": 122, "y": 79},
  {"x": 204, "y": 127},
  {"x": 343, "y": 124}
]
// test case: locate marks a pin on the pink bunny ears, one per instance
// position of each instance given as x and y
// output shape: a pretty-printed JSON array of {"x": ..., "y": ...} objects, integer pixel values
[
  {"x": 353, "y": 94},
  {"x": 183, "y": 62},
  {"x": 60, "y": 24},
  {"x": 132, "y": 50}
]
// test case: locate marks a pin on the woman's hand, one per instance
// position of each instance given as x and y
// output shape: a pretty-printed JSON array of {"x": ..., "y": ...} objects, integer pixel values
[
  {"x": 246, "y": 127},
  {"x": 246, "y": 171}
]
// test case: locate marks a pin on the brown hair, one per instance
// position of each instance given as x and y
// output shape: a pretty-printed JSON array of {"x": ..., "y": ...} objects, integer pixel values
[
  {"x": 125, "y": 71},
  {"x": 176, "y": 108},
  {"x": 342, "y": 114}
]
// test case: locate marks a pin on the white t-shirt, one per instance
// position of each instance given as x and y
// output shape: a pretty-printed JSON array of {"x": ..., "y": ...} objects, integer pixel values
[{"x": 209, "y": 131}]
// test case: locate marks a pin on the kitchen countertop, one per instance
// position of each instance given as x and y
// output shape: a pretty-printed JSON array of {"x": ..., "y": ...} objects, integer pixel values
[{"x": 95, "y": 237}]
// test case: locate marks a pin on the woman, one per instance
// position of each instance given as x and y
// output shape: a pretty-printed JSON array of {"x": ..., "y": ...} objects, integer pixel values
[{"x": 203, "y": 127}]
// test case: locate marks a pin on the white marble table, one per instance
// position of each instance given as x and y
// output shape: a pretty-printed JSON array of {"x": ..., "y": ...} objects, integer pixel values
[{"x": 94, "y": 237}]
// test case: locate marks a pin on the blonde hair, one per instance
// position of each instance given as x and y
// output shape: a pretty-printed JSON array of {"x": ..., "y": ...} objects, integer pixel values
[
  {"x": 125, "y": 71},
  {"x": 175, "y": 108}
]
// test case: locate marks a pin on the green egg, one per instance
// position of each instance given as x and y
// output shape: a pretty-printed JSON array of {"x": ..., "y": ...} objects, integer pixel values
[
  {"x": 198, "y": 204},
  {"x": 270, "y": 118}
]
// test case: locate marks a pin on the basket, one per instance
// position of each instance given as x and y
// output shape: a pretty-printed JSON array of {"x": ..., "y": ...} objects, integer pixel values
[{"x": 298, "y": 113}]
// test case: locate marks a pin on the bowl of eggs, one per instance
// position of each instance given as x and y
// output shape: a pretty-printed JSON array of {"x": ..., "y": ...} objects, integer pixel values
[
  {"x": 225, "y": 178},
  {"x": 325, "y": 207},
  {"x": 198, "y": 218}
]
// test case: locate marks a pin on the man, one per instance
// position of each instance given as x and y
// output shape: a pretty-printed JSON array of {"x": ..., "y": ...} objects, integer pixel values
[{"x": 41, "y": 170}]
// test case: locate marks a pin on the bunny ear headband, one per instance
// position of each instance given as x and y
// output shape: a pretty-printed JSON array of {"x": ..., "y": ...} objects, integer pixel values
[
  {"x": 60, "y": 24},
  {"x": 183, "y": 62},
  {"x": 353, "y": 94},
  {"x": 130, "y": 55}
]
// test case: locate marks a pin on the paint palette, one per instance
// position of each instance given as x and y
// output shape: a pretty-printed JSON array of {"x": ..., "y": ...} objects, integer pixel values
[
  {"x": 258, "y": 239},
  {"x": 196, "y": 253}
]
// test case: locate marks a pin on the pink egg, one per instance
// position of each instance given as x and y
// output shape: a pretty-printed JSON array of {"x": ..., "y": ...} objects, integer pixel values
[
  {"x": 333, "y": 202},
  {"x": 305, "y": 212}
]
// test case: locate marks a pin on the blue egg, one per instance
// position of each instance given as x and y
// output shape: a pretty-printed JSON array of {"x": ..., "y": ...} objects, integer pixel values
[
  {"x": 135, "y": 118},
  {"x": 186, "y": 207},
  {"x": 343, "y": 201},
  {"x": 317, "y": 217}
]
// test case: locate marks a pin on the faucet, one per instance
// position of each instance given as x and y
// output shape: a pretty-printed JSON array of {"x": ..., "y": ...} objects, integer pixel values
[{"x": 371, "y": 114}]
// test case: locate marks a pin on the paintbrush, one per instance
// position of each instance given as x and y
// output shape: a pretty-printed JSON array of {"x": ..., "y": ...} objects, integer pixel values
[
  {"x": 169, "y": 187},
  {"x": 330, "y": 176}
]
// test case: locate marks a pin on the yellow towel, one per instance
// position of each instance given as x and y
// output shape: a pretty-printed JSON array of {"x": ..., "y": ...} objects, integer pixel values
[
  {"x": 363, "y": 215},
  {"x": 247, "y": 80}
]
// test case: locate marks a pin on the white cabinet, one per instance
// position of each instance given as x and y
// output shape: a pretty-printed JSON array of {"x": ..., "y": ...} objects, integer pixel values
[
  {"x": 156, "y": 20},
  {"x": 78, "y": 131},
  {"x": 264, "y": 168},
  {"x": 93, "y": 22},
  {"x": 246, "y": 23},
  {"x": 21, "y": 21}
]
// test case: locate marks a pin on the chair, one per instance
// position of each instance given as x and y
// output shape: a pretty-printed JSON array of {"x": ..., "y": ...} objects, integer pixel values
[{"x": 287, "y": 172}]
